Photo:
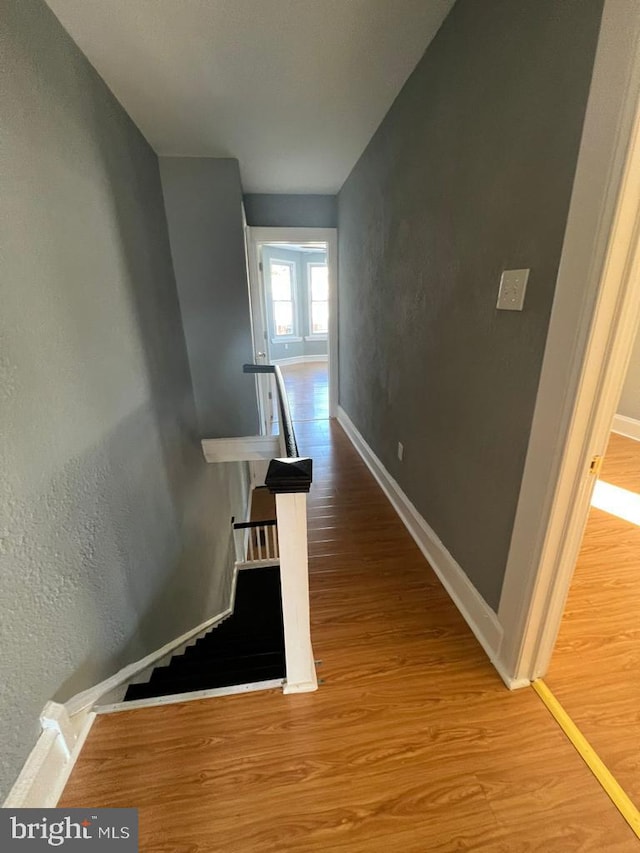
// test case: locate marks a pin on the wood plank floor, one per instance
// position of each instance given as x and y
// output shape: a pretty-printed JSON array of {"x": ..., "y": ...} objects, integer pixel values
[
  {"x": 308, "y": 390},
  {"x": 595, "y": 670},
  {"x": 412, "y": 743}
]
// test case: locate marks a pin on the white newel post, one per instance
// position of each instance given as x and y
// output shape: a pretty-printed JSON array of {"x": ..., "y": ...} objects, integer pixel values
[
  {"x": 289, "y": 480},
  {"x": 294, "y": 576}
]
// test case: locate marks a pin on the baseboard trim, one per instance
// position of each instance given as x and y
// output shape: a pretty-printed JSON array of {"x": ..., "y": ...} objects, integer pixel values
[
  {"x": 300, "y": 359},
  {"x": 479, "y": 616},
  {"x": 511, "y": 683},
  {"x": 629, "y": 427},
  {"x": 300, "y": 687},
  {"x": 50, "y": 762}
]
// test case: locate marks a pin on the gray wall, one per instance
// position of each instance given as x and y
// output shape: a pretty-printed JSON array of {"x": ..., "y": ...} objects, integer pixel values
[
  {"x": 292, "y": 349},
  {"x": 469, "y": 173},
  {"x": 289, "y": 211},
  {"x": 114, "y": 533},
  {"x": 629, "y": 404},
  {"x": 203, "y": 200}
]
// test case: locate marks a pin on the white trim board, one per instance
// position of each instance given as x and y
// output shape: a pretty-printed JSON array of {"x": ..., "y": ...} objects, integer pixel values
[
  {"x": 629, "y": 427},
  {"x": 114, "y": 708},
  {"x": 300, "y": 359},
  {"x": 48, "y": 767},
  {"x": 249, "y": 448},
  {"x": 478, "y": 615}
]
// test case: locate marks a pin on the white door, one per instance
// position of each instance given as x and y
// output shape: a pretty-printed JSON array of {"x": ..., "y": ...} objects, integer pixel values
[{"x": 264, "y": 381}]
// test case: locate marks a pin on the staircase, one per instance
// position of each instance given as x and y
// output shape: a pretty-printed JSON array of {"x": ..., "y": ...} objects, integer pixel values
[
  {"x": 266, "y": 642},
  {"x": 246, "y": 649}
]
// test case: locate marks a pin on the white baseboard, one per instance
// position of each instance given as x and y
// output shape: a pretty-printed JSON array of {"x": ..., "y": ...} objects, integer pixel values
[
  {"x": 49, "y": 765},
  {"x": 300, "y": 359},
  {"x": 479, "y": 616},
  {"x": 630, "y": 427}
]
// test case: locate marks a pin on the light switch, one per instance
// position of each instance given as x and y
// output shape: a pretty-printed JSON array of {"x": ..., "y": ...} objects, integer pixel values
[{"x": 513, "y": 284}]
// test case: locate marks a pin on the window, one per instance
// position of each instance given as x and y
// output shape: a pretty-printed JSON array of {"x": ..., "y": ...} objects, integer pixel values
[
  {"x": 282, "y": 298},
  {"x": 318, "y": 300}
]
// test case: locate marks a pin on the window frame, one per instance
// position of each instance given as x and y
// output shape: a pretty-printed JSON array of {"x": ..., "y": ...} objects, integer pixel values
[
  {"x": 316, "y": 336},
  {"x": 294, "y": 337}
]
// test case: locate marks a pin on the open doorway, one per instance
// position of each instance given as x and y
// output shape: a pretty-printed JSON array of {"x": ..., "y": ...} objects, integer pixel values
[
  {"x": 594, "y": 666},
  {"x": 293, "y": 302},
  {"x": 295, "y": 282},
  {"x": 590, "y": 338}
]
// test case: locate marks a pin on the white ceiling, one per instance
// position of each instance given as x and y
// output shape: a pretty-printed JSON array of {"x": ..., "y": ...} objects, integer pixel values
[{"x": 293, "y": 88}]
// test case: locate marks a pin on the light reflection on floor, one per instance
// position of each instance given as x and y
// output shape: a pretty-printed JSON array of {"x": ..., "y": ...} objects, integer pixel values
[
  {"x": 308, "y": 390},
  {"x": 620, "y": 502}
]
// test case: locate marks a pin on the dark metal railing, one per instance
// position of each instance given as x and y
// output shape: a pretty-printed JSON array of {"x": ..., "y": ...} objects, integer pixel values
[{"x": 294, "y": 473}]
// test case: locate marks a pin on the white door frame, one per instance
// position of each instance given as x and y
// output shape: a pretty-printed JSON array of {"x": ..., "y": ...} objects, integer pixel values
[
  {"x": 594, "y": 320},
  {"x": 256, "y": 236}
]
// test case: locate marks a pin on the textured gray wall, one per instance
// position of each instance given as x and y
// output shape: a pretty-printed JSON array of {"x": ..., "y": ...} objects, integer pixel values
[
  {"x": 291, "y": 211},
  {"x": 629, "y": 404},
  {"x": 203, "y": 200},
  {"x": 470, "y": 173},
  {"x": 114, "y": 533}
]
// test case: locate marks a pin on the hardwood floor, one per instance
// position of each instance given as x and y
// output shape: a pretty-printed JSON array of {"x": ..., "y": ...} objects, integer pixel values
[
  {"x": 308, "y": 390},
  {"x": 412, "y": 743},
  {"x": 595, "y": 670}
]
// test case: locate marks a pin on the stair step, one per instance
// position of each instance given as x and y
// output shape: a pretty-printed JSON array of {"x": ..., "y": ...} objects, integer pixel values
[
  {"x": 204, "y": 681},
  {"x": 240, "y": 646},
  {"x": 238, "y": 633},
  {"x": 248, "y": 647},
  {"x": 218, "y": 666}
]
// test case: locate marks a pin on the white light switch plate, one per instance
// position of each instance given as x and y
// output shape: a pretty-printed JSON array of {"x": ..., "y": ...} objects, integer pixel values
[{"x": 513, "y": 284}]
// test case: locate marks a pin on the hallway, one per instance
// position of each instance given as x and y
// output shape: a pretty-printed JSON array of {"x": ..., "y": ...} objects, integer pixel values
[{"x": 412, "y": 742}]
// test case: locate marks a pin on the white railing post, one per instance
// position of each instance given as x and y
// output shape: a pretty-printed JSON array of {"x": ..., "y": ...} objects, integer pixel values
[
  {"x": 291, "y": 510},
  {"x": 290, "y": 479}
]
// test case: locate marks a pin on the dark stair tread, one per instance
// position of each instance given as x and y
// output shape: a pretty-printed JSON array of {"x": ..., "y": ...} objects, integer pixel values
[
  {"x": 236, "y": 663},
  {"x": 204, "y": 682},
  {"x": 240, "y": 645},
  {"x": 248, "y": 647},
  {"x": 239, "y": 630}
]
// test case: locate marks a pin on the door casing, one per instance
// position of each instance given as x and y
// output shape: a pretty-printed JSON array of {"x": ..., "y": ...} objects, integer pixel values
[{"x": 256, "y": 237}]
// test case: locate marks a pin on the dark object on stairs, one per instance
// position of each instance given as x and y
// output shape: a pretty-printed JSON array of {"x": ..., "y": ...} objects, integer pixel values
[{"x": 247, "y": 647}]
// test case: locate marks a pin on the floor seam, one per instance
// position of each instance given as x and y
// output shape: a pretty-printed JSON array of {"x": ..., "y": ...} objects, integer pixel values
[{"x": 596, "y": 765}]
